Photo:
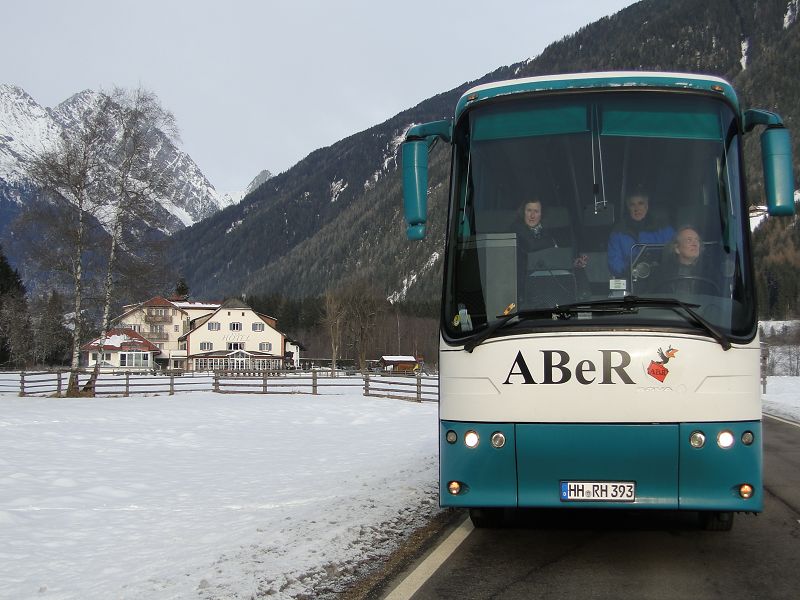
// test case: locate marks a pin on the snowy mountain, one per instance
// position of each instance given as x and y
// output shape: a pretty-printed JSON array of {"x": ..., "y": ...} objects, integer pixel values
[
  {"x": 231, "y": 198},
  {"x": 338, "y": 212},
  {"x": 26, "y": 128}
]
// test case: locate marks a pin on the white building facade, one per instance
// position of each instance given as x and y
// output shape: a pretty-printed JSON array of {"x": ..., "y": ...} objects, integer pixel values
[{"x": 234, "y": 338}]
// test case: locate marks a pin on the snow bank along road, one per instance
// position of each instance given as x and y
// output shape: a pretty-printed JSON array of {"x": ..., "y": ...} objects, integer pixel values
[{"x": 203, "y": 495}]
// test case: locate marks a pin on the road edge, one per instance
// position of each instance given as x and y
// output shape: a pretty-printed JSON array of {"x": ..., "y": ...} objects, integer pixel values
[{"x": 405, "y": 558}]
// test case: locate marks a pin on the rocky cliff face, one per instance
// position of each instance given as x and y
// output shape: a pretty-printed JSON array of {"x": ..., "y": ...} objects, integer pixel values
[{"x": 26, "y": 128}]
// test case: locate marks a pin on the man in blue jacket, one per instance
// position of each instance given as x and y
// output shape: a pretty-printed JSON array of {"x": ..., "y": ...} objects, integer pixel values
[{"x": 636, "y": 227}]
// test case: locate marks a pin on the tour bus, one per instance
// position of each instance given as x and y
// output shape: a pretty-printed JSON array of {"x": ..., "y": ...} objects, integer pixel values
[{"x": 583, "y": 362}]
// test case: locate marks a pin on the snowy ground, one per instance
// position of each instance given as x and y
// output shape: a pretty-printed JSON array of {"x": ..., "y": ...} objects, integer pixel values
[
  {"x": 202, "y": 495},
  {"x": 783, "y": 397}
]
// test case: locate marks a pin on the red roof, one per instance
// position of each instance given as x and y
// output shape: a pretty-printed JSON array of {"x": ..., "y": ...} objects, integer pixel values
[
  {"x": 158, "y": 301},
  {"x": 120, "y": 340}
]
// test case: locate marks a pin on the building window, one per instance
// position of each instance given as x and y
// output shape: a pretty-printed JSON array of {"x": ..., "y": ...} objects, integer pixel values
[
  {"x": 134, "y": 359},
  {"x": 160, "y": 346},
  {"x": 265, "y": 346},
  {"x": 235, "y": 345},
  {"x": 206, "y": 346},
  {"x": 258, "y": 327},
  {"x": 213, "y": 326},
  {"x": 235, "y": 326},
  {"x": 177, "y": 328},
  {"x": 136, "y": 327},
  {"x": 181, "y": 345},
  {"x": 156, "y": 329}
]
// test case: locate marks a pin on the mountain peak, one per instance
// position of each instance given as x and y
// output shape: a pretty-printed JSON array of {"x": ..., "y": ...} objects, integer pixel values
[
  {"x": 26, "y": 128},
  {"x": 263, "y": 176}
]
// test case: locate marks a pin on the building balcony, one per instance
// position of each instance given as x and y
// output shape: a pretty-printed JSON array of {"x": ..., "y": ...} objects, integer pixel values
[
  {"x": 148, "y": 318},
  {"x": 155, "y": 336}
]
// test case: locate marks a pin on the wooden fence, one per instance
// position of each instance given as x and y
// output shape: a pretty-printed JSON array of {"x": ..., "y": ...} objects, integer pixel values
[
  {"x": 417, "y": 387},
  {"x": 54, "y": 383}
]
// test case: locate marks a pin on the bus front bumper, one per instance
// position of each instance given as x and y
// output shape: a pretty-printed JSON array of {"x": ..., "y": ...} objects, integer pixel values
[{"x": 594, "y": 465}]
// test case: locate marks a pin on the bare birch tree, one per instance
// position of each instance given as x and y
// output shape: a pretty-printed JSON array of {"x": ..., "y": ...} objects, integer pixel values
[
  {"x": 68, "y": 175},
  {"x": 135, "y": 182},
  {"x": 102, "y": 173}
]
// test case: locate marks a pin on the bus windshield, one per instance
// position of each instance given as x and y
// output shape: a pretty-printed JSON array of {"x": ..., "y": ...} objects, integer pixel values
[{"x": 586, "y": 197}]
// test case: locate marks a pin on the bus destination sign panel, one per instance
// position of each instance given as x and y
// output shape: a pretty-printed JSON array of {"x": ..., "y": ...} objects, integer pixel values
[{"x": 598, "y": 491}]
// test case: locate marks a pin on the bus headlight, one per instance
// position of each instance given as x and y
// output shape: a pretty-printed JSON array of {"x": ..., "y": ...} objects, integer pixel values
[
  {"x": 746, "y": 491},
  {"x": 471, "y": 439},
  {"x": 725, "y": 439},
  {"x": 747, "y": 438},
  {"x": 498, "y": 439},
  {"x": 697, "y": 439},
  {"x": 454, "y": 487},
  {"x": 451, "y": 437}
]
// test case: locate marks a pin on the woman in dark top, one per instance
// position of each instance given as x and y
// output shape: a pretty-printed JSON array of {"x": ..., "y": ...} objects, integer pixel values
[{"x": 532, "y": 236}]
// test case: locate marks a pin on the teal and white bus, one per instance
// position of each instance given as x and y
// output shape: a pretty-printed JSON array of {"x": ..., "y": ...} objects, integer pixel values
[{"x": 587, "y": 370}]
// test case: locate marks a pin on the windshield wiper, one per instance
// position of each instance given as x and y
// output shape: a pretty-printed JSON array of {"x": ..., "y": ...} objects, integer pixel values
[
  {"x": 687, "y": 308},
  {"x": 624, "y": 304},
  {"x": 555, "y": 312}
]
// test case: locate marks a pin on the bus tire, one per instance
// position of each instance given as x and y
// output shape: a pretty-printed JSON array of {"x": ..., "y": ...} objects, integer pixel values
[
  {"x": 486, "y": 517},
  {"x": 716, "y": 520}
]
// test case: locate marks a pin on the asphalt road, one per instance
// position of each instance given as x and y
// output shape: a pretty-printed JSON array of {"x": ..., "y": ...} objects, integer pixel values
[{"x": 639, "y": 554}]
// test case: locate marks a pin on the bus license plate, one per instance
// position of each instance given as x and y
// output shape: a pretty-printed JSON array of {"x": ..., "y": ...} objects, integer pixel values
[{"x": 598, "y": 491}]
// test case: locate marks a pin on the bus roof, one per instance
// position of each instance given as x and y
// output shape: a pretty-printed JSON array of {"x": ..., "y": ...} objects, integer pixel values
[{"x": 595, "y": 81}]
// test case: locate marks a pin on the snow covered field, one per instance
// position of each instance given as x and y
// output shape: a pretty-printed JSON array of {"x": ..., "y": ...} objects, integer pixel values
[
  {"x": 783, "y": 397},
  {"x": 201, "y": 495}
]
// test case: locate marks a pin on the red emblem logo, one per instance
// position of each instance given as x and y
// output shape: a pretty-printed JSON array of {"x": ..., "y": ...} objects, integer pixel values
[{"x": 657, "y": 370}]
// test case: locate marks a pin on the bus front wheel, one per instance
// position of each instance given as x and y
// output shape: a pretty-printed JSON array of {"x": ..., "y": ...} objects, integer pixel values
[{"x": 716, "y": 520}]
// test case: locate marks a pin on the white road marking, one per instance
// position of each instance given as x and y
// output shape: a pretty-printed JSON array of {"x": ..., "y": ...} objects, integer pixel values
[
  {"x": 782, "y": 420},
  {"x": 414, "y": 580}
]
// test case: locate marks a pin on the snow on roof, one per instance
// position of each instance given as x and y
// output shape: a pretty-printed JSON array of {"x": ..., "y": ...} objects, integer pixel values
[
  {"x": 117, "y": 339},
  {"x": 200, "y": 305},
  {"x": 398, "y": 359}
]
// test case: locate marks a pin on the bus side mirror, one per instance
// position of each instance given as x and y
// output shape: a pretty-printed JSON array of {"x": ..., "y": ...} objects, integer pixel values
[
  {"x": 419, "y": 140},
  {"x": 415, "y": 187},
  {"x": 776, "y": 156}
]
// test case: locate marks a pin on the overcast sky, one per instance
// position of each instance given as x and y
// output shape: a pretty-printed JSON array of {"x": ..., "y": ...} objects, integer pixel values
[{"x": 261, "y": 84}]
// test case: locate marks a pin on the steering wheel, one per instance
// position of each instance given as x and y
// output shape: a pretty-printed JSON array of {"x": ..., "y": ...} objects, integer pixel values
[{"x": 691, "y": 282}]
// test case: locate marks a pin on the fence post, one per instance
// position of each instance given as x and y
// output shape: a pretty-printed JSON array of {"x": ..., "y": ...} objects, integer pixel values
[
  {"x": 22, "y": 383},
  {"x": 419, "y": 387},
  {"x": 216, "y": 381},
  {"x": 58, "y": 381},
  {"x": 366, "y": 384},
  {"x": 314, "y": 382},
  {"x": 171, "y": 384},
  {"x": 127, "y": 383},
  {"x": 264, "y": 383}
]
